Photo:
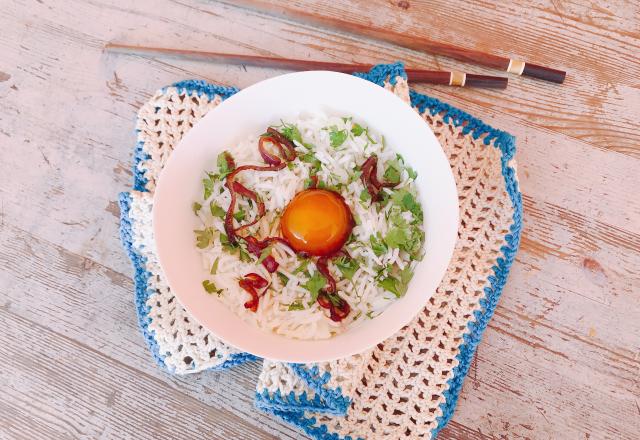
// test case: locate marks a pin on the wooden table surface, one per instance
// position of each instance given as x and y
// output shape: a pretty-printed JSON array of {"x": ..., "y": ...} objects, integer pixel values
[{"x": 560, "y": 359}]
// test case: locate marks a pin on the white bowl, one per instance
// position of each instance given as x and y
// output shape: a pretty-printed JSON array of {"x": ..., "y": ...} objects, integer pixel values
[{"x": 249, "y": 112}]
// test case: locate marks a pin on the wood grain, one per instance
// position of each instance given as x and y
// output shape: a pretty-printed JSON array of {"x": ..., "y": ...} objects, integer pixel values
[
  {"x": 600, "y": 102},
  {"x": 561, "y": 358}
]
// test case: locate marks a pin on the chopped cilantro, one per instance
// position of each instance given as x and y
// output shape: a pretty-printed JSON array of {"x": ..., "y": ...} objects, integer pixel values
[
  {"x": 308, "y": 183},
  {"x": 296, "y": 306},
  {"x": 337, "y": 137},
  {"x": 347, "y": 266},
  {"x": 397, "y": 237},
  {"x": 290, "y": 165},
  {"x": 311, "y": 159},
  {"x": 314, "y": 284},
  {"x": 196, "y": 207},
  {"x": 308, "y": 146},
  {"x": 283, "y": 278},
  {"x": 223, "y": 163},
  {"x": 226, "y": 244},
  {"x": 406, "y": 274},
  {"x": 302, "y": 267},
  {"x": 239, "y": 215},
  {"x": 393, "y": 172},
  {"x": 384, "y": 198},
  {"x": 208, "y": 187},
  {"x": 407, "y": 202},
  {"x": 364, "y": 195},
  {"x": 244, "y": 256},
  {"x": 204, "y": 237},
  {"x": 393, "y": 285},
  {"x": 264, "y": 254},
  {"x": 214, "y": 266},
  {"x": 357, "y": 129},
  {"x": 291, "y": 132},
  {"x": 217, "y": 211},
  {"x": 412, "y": 173},
  {"x": 378, "y": 246},
  {"x": 396, "y": 218},
  {"x": 209, "y": 287}
]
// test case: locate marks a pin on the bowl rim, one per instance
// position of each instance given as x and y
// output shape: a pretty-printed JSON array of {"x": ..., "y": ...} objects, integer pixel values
[{"x": 266, "y": 344}]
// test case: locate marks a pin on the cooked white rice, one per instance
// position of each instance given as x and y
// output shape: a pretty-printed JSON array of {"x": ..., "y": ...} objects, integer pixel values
[{"x": 366, "y": 297}]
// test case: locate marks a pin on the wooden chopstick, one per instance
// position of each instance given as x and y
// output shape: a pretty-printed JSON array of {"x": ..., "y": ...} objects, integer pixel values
[
  {"x": 459, "y": 79},
  {"x": 510, "y": 65}
]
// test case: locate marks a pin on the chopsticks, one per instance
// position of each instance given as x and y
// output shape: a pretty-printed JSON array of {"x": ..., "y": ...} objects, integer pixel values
[
  {"x": 454, "y": 78},
  {"x": 423, "y": 44}
]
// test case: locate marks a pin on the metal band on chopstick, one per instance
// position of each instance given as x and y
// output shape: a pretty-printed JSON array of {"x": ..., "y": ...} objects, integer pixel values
[
  {"x": 516, "y": 66},
  {"x": 457, "y": 78}
]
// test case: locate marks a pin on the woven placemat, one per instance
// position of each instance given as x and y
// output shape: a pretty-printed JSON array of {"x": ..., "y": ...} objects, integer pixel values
[{"x": 406, "y": 387}]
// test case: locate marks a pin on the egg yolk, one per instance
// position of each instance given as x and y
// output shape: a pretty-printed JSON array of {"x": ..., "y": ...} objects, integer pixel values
[{"x": 317, "y": 222}]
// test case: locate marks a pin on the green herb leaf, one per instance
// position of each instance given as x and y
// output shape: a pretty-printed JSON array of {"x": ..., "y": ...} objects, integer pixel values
[
  {"x": 407, "y": 202},
  {"x": 208, "y": 187},
  {"x": 316, "y": 165},
  {"x": 264, "y": 254},
  {"x": 393, "y": 285},
  {"x": 239, "y": 215},
  {"x": 302, "y": 267},
  {"x": 396, "y": 237},
  {"x": 209, "y": 287},
  {"x": 393, "y": 172},
  {"x": 291, "y": 132},
  {"x": 217, "y": 211},
  {"x": 196, "y": 207},
  {"x": 308, "y": 146},
  {"x": 290, "y": 165},
  {"x": 204, "y": 237},
  {"x": 412, "y": 173},
  {"x": 384, "y": 199},
  {"x": 296, "y": 306},
  {"x": 347, "y": 267},
  {"x": 346, "y": 119},
  {"x": 244, "y": 256},
  {"x": 314, "y": 284},
  {"x": 364, "y": 195},
  {"x": 406, "y": 274},
  {"x": 223, "y": 164},
  {"x": 226, "y": 244},
  {"x": 214, "y": 266},
  {"x": 308, "y": 183},
  {"x": 283, "y": 278},
  {"x": 357, "y": 129},
  {"x": 377, "y": 245},
  {"x": 337, "y": 137}
]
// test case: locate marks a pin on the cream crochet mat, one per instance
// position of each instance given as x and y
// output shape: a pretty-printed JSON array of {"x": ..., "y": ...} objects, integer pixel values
[{"x": 408, "y": 385}]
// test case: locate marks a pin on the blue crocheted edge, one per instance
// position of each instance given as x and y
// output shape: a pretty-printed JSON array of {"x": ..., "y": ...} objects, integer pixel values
[
  {"x": 378, "y": 75},
  {"x": 141, "y": 275},
  {"x": 325, "y": 400}
]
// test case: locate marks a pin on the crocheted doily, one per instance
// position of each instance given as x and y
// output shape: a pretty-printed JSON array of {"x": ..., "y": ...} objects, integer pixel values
[{"x": 407, "y": 386}]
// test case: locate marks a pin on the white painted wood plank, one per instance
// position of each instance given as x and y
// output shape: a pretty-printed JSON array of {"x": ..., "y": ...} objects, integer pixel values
[
  {"x": 75, "y": 391},
  {"x": 85, "y": 302}
]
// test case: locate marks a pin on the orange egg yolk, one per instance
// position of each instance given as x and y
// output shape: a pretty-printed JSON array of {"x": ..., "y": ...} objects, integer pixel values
[{"x": 317, "y": 222}]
